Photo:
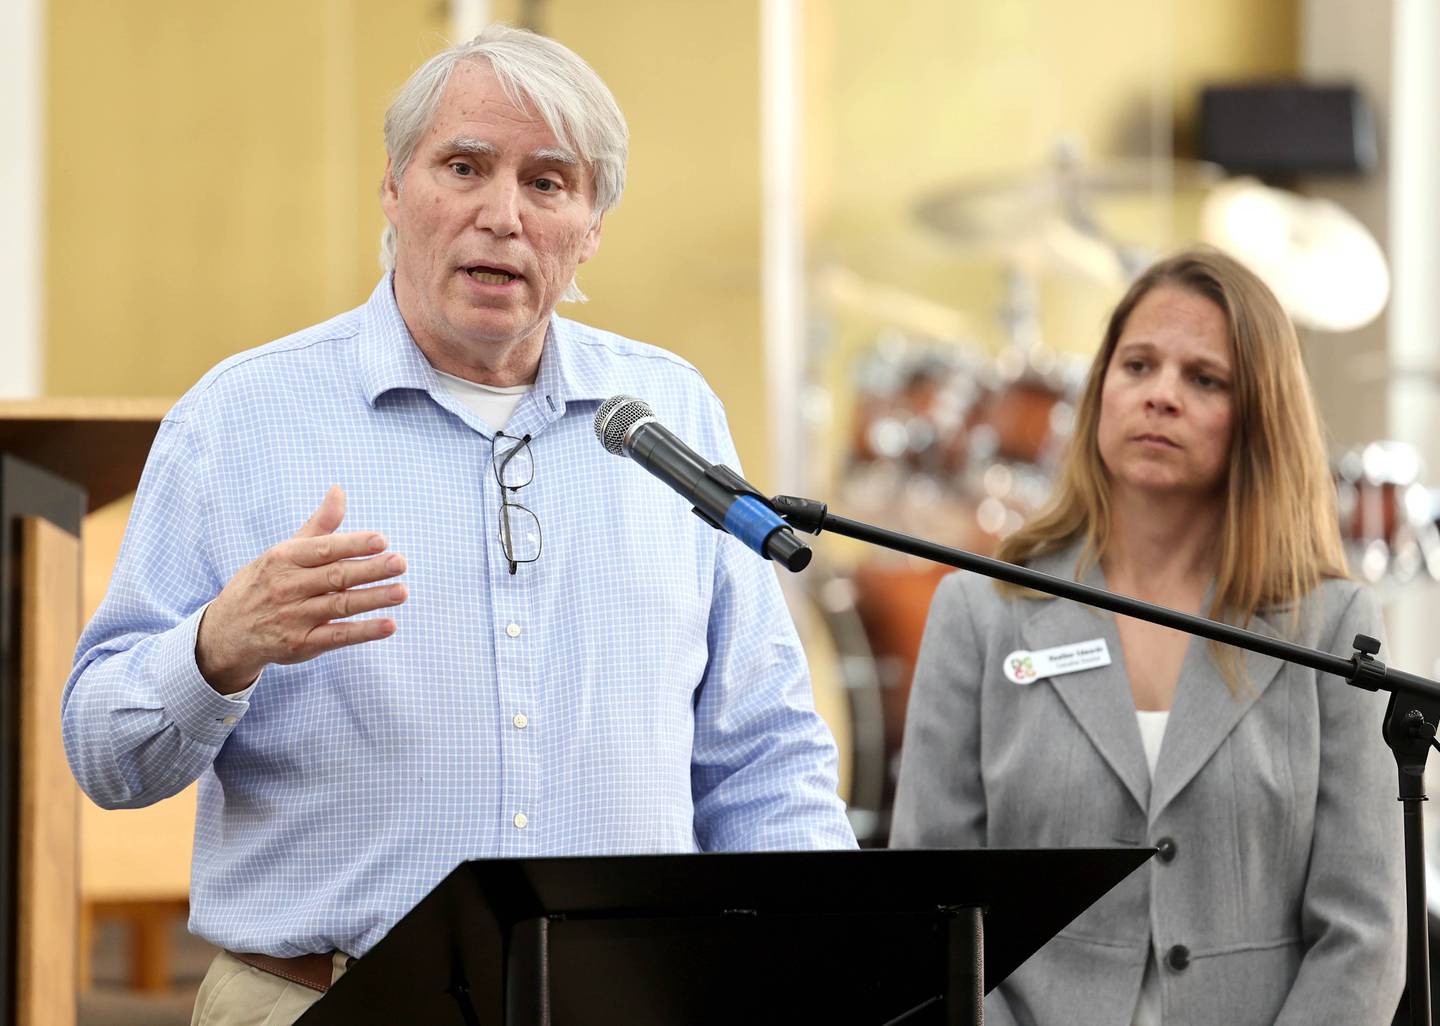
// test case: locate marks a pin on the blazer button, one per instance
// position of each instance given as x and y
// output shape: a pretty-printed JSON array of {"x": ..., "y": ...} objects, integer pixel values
[
  {"x": 1165, "y": 849},
  {"x": 1178, "y": 958}
]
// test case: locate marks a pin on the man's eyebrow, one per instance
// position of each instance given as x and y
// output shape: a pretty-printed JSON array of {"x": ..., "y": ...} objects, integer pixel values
[
  {"x": 472, "y": 146},
  {"x": 557, "y": 156},
  {"x": 481, "y": 148}
]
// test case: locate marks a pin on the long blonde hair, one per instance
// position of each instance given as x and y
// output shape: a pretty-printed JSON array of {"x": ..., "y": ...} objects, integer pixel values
[{"x": 1280, "y": 536}]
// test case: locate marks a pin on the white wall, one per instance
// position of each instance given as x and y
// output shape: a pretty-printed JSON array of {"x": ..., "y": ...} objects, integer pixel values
[{"x": 21, "y": 196}]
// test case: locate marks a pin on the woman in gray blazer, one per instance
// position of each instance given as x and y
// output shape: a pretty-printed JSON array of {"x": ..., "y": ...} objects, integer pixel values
[{"x": 1196, "y": 479}]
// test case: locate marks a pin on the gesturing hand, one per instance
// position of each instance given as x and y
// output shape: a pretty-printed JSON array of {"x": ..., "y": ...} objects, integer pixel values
[{"x": 284, "y": 607}]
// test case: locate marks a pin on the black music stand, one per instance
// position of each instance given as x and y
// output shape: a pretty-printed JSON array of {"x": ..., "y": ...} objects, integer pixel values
[{"x": 856, "y": 937}]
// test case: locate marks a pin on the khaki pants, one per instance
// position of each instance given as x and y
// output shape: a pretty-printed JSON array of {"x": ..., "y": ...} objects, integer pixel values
[{"x": 236, "y": 994}]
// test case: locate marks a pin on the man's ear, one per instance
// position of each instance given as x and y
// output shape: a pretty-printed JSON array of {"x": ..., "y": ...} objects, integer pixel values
[
  {"x": 389, "y": 193},
  {"x": 592, "y": 240}
]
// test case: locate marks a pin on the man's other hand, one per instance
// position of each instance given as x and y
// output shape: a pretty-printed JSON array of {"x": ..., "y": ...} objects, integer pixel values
[{"x": 290, "y": 604}]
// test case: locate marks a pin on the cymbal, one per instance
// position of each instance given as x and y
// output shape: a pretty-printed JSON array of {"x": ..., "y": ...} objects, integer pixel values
[
  {"x": 1323, "y": 265},
  {"x": 1044, "y": 219},
  {"x": 906, "y": 310}
]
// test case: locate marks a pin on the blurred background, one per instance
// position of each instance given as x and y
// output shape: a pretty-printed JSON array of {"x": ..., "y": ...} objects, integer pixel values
[{"x": 887, "y": 234}]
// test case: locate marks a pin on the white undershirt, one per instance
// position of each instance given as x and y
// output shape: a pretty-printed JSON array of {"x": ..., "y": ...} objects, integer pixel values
[
  {"x": 1152, "y": 733},
  {"x": 492, "y": 403}
]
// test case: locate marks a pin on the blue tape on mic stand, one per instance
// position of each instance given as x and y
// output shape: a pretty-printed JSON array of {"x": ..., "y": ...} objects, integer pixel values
[{"x": 751, "y": 521}]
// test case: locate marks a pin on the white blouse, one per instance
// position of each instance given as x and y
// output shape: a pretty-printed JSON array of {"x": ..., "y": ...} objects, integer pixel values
[{"x": 1152, "y": 733}]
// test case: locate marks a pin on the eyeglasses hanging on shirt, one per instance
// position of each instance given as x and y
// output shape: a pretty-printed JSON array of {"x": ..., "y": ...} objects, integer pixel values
[{"x": 514, "y": 466}]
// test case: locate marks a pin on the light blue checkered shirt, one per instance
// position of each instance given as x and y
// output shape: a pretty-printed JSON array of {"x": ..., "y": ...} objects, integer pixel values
[{"x": 639, "y": 688}]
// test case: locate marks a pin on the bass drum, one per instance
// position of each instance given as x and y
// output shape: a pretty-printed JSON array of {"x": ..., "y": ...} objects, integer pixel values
[
  {"x": 1024, "y": 421},
  {"x": 846, "y": 686}
]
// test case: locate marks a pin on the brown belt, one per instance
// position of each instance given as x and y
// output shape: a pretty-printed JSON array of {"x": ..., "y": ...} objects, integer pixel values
[{"x": 313, "y": 971}]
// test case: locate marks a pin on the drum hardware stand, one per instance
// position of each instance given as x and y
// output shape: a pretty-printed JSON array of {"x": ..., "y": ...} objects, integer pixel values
[{"x": 1410, "y": 718}]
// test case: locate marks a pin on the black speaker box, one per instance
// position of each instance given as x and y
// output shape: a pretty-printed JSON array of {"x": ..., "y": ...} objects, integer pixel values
[{"x": 1283, "y": 129}]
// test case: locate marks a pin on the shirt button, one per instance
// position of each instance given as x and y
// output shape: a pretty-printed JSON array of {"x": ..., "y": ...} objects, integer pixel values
[
  {"x": 513, "y": 630},
  {"x": 229, "y": 721},
  {"x": 521, "y": 821},
  {"x": 1178, "y": 958},
  {"x": 521, "y": 721},
  {"x": 1165, "y": 849}
]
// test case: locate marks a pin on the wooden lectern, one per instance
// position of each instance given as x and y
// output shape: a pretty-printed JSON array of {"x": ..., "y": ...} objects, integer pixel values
[{"x": 59, "y": 459}]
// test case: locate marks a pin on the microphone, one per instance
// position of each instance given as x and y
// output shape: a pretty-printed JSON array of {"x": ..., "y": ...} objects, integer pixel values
[{"x": 626, "y": 426}]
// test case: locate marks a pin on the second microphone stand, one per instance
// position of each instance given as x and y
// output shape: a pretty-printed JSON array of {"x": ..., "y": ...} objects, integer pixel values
[{"x": 1410, "y": 718}]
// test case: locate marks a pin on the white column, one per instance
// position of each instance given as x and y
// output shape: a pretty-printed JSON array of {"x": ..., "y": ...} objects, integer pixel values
[
  {"x": 782, "y": 266},
  {"x": 22, "y": 196},
  {"x": 1414, "y": 322},
  {"x": 1414, "y": 337},
  {"x": 467, "y": 18}
]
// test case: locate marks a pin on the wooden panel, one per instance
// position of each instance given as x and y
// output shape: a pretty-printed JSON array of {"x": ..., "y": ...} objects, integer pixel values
[
  {"x": 74, "y": 408},
  {"x": 150, "y": 925},
  {"x": 49, "y": 799},
  {"x": 138, "y": 854},
  {"x": 99, "y": 444}
]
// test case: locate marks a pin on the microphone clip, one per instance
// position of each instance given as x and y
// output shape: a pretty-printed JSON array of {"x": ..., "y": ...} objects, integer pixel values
[
  {"x": 731, "y": 482},
  {"x": 750, "y": 509},
  {"x": 806, "y": 515}
]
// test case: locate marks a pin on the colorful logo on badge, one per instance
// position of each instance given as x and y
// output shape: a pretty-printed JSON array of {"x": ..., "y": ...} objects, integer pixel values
[{"x": 1021, "y": 669}]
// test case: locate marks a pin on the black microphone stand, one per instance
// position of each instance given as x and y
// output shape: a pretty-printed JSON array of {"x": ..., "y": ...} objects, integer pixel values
[{"x": 1410, "y": 718}]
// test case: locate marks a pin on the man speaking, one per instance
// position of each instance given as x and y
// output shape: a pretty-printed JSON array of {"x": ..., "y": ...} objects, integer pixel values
[{"x": 384, "y": 595}]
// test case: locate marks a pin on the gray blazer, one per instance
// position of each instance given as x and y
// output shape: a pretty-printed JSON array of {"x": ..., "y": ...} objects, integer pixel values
[{"x": 1285, "y": 886}]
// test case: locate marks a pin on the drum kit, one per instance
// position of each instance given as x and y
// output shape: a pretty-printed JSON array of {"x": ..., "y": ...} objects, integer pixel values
[
  {"x": 959, "y": 446},
  {"x": 1387, "y": 516},
  {"x": 953, "y": 444}
]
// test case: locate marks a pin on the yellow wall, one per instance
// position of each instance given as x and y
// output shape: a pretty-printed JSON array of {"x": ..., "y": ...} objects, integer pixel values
[{"x": 211, "y": 173}]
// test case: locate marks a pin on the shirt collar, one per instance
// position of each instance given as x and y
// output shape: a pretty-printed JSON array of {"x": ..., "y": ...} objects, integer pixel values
[
  {"x": 389, "y": 358},
  {"x": 575, "y": 367}
]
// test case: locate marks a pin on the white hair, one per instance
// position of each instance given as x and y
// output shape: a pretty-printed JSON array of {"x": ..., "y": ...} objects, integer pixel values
[{"x": 536, "y": 73}]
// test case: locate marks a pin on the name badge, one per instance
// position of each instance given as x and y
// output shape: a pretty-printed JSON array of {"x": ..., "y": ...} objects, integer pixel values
[{"x": 1022, "y": 667}]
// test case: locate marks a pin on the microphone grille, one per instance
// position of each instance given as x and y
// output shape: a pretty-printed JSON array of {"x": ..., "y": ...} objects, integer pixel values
[{"x": 615, "y": 418}]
